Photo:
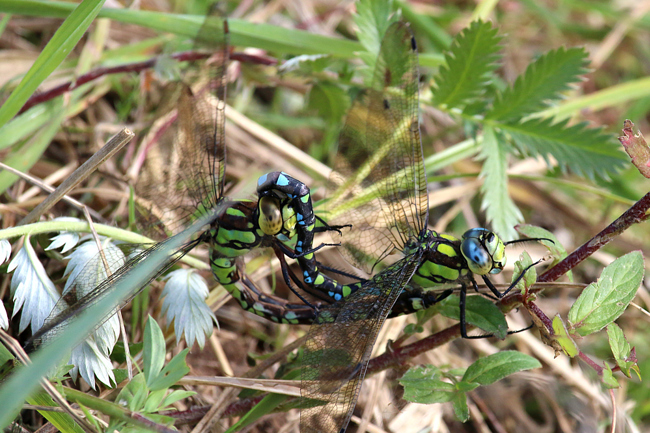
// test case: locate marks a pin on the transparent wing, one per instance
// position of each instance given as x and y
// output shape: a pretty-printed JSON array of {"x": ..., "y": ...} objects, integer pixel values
[
  {"x": 184, "y": 174},
  {"x": 339, "y": 345},
  {"x": 385, "y": 201}
]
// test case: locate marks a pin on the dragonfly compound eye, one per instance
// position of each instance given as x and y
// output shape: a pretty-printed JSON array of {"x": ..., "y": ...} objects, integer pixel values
[
  {"x": 497, "y": 251},
  {"x": 270, "y": 219},
  {"x": 289, "y": 220}
]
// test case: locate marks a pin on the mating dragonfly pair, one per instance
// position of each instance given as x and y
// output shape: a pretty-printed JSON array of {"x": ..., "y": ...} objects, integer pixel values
[{"x": 386, "y": 211}]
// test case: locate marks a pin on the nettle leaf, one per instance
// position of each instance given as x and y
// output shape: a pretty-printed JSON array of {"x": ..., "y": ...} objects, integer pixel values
[
  {"x": 586, "y": 151},
  {"x": 527, "y": 281},
  {"x": 32, "y": 290},
  {"x": 500, "y": 210},
  {"x": 469, "y": 65},
  {"x": 495, "y": 367},
  {"x": 602, "y": 302},
  {"x": 372, "y": 20},
  {"x": 623, "y": 352},
  {"x": 543, "y": 82},
  {"x": 184, "y": 304},
  {"x": 554, "y": 246},
  {"x": 424, "y": 384},
  {"x": 562, "y": 336}
]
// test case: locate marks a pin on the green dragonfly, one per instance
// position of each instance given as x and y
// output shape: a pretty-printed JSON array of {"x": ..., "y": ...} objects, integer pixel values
[
  {"x": 232, "y": 227},
  {"x": 386, "y": 204}
]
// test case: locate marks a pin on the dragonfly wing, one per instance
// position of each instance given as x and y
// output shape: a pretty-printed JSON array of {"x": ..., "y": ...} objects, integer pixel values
[
  {"x": 339, "y": 345},
  {"x": 184, "y": 174},
  {"x": 386, "y": 199}
]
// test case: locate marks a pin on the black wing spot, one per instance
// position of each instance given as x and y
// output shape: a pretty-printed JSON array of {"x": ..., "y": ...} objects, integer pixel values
[
  {"x": 386, "y": 104},
  {"x": 414, "y": 45}
]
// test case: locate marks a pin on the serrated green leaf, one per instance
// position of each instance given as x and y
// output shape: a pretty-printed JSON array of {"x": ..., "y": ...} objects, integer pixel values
[
  {"x": 605, "y": 300},
  {"x": 608, "y": 378},
  {"x": 372, "y": 20},
  {"x": 469, "y": 65},
  {"x": 621, "y": 349},
  {"x": 153, "y": 353},
  {"x": 586, "y": 151},
  {"x": 562, "y": 336},
  {"x": 461, "y": 410},
  {"x": 527, "y": 281},
  {"x": 423, "y": 384},
  {"x": 329, "y": 100},
  {"x": 555, "y": 247},
  {"x": 500, "y": 210},
  {"x": 479, "y": 312},
  {"x": 542, "y": 83},
  {"x": 495, "y": 367}
]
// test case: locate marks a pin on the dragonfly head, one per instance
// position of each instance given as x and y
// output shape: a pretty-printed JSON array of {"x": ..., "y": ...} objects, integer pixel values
[{"x": 484, "y": 251}]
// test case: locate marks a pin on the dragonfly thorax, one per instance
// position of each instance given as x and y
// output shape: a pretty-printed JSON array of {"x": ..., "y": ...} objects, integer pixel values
[{"x": 484, "y": 251}]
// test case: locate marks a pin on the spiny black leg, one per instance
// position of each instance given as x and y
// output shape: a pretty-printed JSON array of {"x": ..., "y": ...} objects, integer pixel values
[
  {"x": 293, "y": 255},
  {"x": 521, "y": 275},
  {"x": 287, "y": 278},
  {"x": 340, "y": 272},
  {"x": 328, "y": 228},
  {"x": 461, "y": 304},
  {"x": 490, "y": 286}
]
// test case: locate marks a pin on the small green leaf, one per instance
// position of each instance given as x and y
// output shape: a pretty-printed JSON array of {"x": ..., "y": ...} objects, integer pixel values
[
  {"x": 562, "y": 336},
  {"x": 134, "y": 394},
  {"x": 624, "y": 354},
  {"x": 176, "y": 395},
  {"x": 555, "y": 247},
  {"x": 541, "y": 84},
  {"x": 469, "y": 65},
  {"x": 154, "y": 400},
  {"x": 460, "y": 407},
  {"x": 329, "y": 100},
  {"x": 527, "y": 281},
  {"x": 423, "y": 384},
  {"x": 372, "y": 20},
  {"x": 479, "y": 311},
  {"x": 499, "y": 365},
  {"x": 586, "y": 151},
  {"x": 172, "y": 373},
  {"x": 608, "y": 378},
  {"x": 153, "y": 354},
  {"x": 500, "y": 210},
  {"x": 605, "y": 300}
]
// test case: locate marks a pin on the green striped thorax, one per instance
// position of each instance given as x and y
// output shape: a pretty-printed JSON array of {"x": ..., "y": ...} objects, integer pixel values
[{"x": 448, "y": 259}]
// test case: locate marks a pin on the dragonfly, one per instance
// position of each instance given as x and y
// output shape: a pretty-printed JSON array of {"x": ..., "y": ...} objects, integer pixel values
[
  {"x": 382, "y": 127},
  {"x": 196, "y": 193}
]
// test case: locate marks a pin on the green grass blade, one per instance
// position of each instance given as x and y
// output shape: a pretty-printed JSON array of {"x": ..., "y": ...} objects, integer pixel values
[{"x": 63, "y": 41}]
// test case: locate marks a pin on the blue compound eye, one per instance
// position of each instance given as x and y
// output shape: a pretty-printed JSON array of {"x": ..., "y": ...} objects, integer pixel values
[
  {"x": 478, "y": 259},
  {"x": 484, "y": 251}
]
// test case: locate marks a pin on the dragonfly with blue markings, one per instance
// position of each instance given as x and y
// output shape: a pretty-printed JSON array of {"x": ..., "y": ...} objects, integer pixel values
[{"x": 386, "y": 204}]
